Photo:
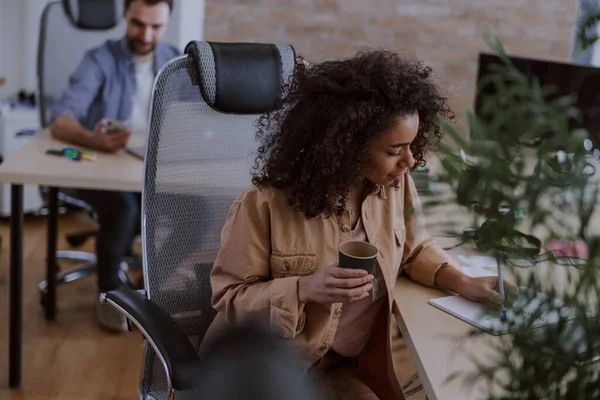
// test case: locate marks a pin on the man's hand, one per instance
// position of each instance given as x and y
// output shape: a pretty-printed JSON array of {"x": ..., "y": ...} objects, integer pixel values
[
  {"x": 335, "y": 285},
  {"x": 109, "y": 142}
]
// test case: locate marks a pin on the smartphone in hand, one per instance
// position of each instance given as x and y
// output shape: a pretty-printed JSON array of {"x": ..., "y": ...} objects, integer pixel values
[{"x": 114, "y": 126}]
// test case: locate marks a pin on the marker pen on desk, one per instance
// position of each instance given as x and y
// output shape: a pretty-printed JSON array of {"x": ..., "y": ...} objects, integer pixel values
[{"x": 501, "y": 284}]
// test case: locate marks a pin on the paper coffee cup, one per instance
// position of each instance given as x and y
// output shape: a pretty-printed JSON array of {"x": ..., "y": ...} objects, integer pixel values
[{"x": 356, "y": 254}]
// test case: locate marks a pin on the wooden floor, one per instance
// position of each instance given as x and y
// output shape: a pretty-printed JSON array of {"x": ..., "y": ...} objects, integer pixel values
[{"x": 72, "y": 358}]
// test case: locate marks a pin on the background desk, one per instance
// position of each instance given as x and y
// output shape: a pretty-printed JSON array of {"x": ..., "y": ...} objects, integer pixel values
[{"x": 30, "y": 165}]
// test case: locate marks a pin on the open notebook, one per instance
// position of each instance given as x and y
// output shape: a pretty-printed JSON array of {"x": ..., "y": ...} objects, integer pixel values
[
  {"x": 525, "y": 305},
  {"x": 574, "y": 337}
]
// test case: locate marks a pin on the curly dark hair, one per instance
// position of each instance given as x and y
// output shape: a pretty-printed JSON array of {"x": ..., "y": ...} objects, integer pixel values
[{"x": 316, "y": 140}]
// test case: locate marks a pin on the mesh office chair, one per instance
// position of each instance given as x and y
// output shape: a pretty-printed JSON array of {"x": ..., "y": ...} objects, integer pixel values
[
  {"x": 200, "y": 151},
  {"x": 68, "y": 29}
]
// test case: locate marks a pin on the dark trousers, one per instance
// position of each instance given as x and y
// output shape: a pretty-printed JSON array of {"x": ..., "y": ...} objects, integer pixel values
[
  {"x": 119, "y": 217},
  {"x": 186, "y": 221}
]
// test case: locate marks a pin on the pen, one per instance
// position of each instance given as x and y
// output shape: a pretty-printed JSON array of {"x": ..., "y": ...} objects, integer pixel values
[{"x": 501, "y": 284}]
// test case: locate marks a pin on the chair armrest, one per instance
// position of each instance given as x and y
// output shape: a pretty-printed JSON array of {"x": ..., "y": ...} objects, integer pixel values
[{"x": 180, "y": 360}]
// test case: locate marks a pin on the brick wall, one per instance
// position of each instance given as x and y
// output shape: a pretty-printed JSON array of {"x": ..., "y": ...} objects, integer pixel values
[{"x": 447, "y": 34}]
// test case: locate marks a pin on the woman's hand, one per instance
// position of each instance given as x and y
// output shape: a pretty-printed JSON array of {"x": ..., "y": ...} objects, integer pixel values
[
  {"x": 486, "y": 290},
  {"x": 334, "y": 285},
  {"x": 483, "y": 289}
]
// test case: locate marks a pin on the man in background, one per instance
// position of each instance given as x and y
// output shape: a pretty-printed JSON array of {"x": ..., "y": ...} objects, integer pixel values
[{"x": 114, "y": 82}]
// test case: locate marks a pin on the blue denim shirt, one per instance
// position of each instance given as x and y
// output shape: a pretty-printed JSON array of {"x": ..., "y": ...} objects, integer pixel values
[{"x": 103, "y": 85}]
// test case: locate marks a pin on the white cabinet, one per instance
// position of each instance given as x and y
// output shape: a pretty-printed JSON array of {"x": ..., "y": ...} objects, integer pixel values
[{"x": 13, "y": 122}]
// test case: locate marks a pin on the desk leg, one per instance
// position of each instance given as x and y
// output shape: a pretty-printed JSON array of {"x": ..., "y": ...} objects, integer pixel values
[
  {"x": 16, "y": 285},
  {"x": 423, "y": 377},
  {"x": 51, "y": 262}
]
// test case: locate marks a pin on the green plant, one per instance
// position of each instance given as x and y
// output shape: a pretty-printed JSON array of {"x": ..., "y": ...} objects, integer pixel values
[
  {"x": 589, "y": 17},
  {"x": 586, "y": 33},
  {"x": 525, "y": 177}
]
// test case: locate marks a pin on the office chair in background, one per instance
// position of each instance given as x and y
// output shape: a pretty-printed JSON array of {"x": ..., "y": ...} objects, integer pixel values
[
  {"x": 68, "y": 29},
  {"x": 199, "y": 157}
]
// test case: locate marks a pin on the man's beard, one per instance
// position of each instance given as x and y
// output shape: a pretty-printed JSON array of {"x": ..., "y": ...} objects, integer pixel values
[{"x": 139, "y": 48}]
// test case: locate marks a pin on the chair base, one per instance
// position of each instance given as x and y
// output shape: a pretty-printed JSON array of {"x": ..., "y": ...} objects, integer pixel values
[
  {"x": 76, "y": 255},
  {"x": 71, "y": 275},
  {"x": 84, "y": 270}
]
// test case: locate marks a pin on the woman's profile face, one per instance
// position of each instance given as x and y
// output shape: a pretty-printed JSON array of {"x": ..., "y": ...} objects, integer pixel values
[{"x": 389, "y": 155}]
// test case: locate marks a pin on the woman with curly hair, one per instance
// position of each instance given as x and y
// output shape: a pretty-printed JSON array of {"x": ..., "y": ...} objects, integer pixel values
[{"x": 333, "y": 166}]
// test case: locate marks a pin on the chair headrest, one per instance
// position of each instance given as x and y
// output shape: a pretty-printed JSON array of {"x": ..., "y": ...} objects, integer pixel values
[
  {"x": 93, "y": 14},
  {"x": 249, "y": 76}
]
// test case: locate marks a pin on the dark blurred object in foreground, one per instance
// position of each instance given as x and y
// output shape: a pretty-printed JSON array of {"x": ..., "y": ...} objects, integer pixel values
[{"x": 250, "y": 362}]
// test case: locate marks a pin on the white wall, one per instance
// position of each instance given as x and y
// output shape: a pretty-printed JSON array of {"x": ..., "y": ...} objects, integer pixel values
[
  {"x": 11, "y": 45},
  {"x": 187, "y": 23},
  {"x": 19, "y": 22},
  {"x": 596, "y": 50},
  {"x": 31, "y": 18}
]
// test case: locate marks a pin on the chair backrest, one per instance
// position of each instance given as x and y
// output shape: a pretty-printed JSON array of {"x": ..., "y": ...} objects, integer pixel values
[
  {"x": 200, "y": 151},
  {"x": 68, "y": 29}
]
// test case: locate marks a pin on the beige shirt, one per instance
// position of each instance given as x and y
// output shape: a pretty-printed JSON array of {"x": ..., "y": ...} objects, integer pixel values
[
  {"x": 266, "y": 247},
  {"x": 356, "y": 321}
]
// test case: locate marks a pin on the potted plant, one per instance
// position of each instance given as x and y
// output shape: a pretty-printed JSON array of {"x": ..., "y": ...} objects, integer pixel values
[
  {"x": 586, "y": 30},
  {"x": 526, "y": 179}
]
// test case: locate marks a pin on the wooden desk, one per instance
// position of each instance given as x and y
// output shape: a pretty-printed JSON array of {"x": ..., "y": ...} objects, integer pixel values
[
  {"x": 30, "y": 165},
  {"x": 436, "y": 343}
]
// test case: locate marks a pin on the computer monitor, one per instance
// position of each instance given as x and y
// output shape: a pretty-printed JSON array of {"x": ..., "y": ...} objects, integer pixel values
[{"x": 583, "y": 81}]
